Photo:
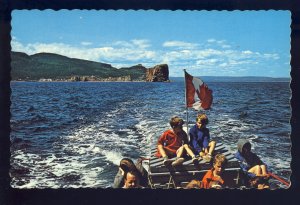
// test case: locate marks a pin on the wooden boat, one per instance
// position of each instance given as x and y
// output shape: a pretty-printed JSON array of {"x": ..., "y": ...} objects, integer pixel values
[{"x": 161, "y": 176}]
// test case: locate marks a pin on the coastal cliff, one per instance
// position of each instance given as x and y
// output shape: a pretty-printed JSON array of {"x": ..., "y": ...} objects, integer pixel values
[
  {"x": 54, "y": 67},
  {"x": 159, "y": 73}
]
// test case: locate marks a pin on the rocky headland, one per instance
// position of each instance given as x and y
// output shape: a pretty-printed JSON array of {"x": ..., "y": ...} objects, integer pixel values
[{"x": 54, "y": 67}]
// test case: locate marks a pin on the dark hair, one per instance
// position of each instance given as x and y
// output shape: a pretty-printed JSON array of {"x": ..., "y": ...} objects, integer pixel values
[
  {"x": 132, "y": 172},
  {"x": 247, "y": 145},
  {"x": 127, "y": 165},
  {"x": 176, "y": 122}
]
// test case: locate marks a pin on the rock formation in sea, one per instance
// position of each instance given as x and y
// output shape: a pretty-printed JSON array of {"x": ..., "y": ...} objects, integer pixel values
[{"x": 159, "y": 73}]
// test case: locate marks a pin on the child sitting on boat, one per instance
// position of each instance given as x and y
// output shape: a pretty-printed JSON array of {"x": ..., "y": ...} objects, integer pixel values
[
  {"x": 174, "y": 143},
  {"x": 252, "y": 165},
  {"x": 213, "y": 178},
  {"x": 200, "y": 138}
]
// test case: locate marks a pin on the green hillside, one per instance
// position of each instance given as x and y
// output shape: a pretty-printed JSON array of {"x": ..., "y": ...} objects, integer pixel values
[{"x": 57, "y": 67}]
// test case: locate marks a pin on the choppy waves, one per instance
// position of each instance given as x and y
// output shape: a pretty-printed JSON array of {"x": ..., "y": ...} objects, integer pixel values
[{"x": 80, "y": 142}]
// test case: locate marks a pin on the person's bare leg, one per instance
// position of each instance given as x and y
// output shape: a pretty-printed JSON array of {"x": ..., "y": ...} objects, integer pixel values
[
  {"x": 255, "y": 170},
  {"x": 264, "y": 170},
  {"x": 212, "y": 146},
  {"x": 179, "y": 159},
  {"x": 165, "y": 154},
  {"x": 179, "y": 152},
  {"x": 162, "y": 151},
  {"x": 188, "y": 150},
  {"x": 201, "y": 154}
]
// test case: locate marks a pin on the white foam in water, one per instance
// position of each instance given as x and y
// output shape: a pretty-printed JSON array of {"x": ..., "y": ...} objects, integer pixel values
[
  {"x": 96, "y": 150},
  {"x": 277, "y": 164},
  {"x": 89, "y": 155},
  {"x": 112, "y": 156}
]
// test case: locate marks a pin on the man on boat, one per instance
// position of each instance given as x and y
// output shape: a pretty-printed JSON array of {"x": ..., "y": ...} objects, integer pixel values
[
  {"x": 174, "y": 143},
  {"x": 127, "y": 165},
  {"x": 200, "y": 138},
  {"x": 131, "y": 180}
]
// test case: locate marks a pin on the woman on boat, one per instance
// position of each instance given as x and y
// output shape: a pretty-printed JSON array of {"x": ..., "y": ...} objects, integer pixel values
[
  {"x": 127, "y": 165},
  {"x": 174, "y": 143},
  {"x": 200, "y": 138},
  {"x": 252, "y": 165}
]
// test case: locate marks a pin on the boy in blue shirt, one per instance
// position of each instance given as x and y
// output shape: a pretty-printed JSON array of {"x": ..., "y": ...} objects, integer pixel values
[{"x": 200, "y": 138}]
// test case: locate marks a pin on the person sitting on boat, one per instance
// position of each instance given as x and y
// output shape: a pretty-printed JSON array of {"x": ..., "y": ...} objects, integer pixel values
[
  {"x": 213, "y": 178},
  {"x": 200, "y": 138},
  {"x": 252, "y": 165},
  {"x": 131, "y": 180},
  {"x": 127, "y": 165},
  {"x": 174, "y": 143}
]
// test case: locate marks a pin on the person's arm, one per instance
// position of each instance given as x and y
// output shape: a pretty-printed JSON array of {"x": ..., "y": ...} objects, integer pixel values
[
  {"x": 119, "y": 179},
  {"x": 242, "y": 162}
]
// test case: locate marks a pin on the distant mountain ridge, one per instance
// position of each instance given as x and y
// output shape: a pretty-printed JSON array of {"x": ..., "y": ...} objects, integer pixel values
[
  {"x": 50, "y": 66},
  {"x": 233, "y": 79},
  {"x": 58, "y": 67}
]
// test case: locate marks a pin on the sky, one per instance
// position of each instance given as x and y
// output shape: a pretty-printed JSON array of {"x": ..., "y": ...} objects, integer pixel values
[{"x": 205, "y": 43}]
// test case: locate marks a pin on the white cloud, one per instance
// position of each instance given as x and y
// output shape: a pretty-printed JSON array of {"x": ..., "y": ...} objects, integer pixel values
[
  {"x": 208, "y": 62},
  {"x": 223, "y": 65},
  {"x": 86, "y": 43},
  {"x": 226, "y": 46},
  {"x": 211, "y": 40},
  {"x": 141, "y": 43},
  {"x": 271, "y": 55},
  {"x": 178, "y": 54},
  {"x": 180, "y": 44},
  {"x": 247, "y": 52},
  {"x": 123, "y": 44}
]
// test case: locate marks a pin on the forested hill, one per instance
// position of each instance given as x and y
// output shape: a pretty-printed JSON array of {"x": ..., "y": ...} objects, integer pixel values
[{"x": 58, "y": 67}]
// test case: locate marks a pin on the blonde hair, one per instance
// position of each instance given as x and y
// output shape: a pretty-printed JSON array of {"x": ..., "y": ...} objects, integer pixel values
[{"x": 220, "y": 159}]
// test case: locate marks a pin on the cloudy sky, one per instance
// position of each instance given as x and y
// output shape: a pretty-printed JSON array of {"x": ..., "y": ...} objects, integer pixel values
[{"x": 206, "y": 43}]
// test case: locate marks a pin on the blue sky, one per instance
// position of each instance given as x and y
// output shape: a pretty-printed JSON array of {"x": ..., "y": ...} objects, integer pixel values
[{"x": 205, "y": 43}]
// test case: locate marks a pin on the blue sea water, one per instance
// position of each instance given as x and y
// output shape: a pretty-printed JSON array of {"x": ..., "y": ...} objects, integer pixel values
[{"x": 73, "y": 134}]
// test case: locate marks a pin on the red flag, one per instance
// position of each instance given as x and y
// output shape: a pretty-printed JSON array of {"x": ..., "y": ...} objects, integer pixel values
[{"x": 198, "y": 95}]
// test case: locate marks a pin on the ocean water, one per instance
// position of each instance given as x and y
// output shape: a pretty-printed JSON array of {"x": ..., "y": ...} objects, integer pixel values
[{"x": 74, "y": 134}]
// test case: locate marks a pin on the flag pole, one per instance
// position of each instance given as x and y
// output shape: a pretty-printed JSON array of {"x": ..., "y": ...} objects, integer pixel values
[{"x": 187, "y": 110}]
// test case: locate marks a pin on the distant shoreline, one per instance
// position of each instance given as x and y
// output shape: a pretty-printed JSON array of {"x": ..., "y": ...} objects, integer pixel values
[
  {"x": 206, "y": 79},
  {"x": 171, "y": 81},
  {"x": 61, "y": 81}
]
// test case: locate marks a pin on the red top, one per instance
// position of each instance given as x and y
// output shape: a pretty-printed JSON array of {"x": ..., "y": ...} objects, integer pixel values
[
  {"x": 171, "y": 141},
  {"x": 209, "y": 177}
]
